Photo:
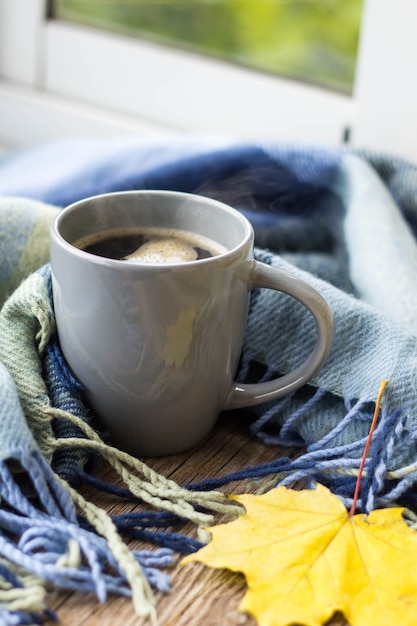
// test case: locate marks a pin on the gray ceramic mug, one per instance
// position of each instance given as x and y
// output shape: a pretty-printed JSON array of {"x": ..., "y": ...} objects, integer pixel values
[{"x": 156, "y": 346}]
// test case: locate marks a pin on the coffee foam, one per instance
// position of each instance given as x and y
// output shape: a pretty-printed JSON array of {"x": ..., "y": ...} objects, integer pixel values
[{"x": 164, "y": 250}]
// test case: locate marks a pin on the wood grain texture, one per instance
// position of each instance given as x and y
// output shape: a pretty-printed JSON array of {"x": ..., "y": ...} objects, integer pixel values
[{"x": 200, "y": 596}]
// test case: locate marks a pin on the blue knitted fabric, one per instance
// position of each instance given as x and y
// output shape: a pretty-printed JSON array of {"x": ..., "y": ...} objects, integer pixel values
[{"x": 344, "y": 221}]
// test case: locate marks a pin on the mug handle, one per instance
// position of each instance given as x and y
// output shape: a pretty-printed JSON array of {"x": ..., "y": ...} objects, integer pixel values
[{"x": 245, "y": 395}]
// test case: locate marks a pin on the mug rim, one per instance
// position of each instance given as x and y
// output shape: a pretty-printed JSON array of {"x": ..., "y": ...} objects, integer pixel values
[{"x": 118, "y": 263}]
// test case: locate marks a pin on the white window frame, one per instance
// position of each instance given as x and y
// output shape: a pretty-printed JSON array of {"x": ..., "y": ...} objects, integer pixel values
[{"x": 58, "y": 79}]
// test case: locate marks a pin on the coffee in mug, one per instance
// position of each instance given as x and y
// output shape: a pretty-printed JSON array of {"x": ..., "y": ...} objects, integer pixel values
[{"x": 150, "y": 245}]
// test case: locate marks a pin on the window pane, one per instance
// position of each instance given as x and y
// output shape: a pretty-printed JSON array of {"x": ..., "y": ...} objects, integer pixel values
[{"x": 314, "y": 41}]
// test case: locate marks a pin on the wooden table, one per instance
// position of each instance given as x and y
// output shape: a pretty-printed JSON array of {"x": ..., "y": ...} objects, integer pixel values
[{"x": 200, "y": 596}]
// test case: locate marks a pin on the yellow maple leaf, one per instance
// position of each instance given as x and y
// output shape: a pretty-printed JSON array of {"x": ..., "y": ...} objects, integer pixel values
[{"x": 304, "y": 559}]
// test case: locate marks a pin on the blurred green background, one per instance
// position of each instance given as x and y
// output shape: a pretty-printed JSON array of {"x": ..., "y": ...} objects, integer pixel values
[{"x": 309, "y": 41}]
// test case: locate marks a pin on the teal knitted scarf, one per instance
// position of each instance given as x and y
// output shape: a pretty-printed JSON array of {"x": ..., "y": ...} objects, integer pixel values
[{"x": 346, "y": 223}]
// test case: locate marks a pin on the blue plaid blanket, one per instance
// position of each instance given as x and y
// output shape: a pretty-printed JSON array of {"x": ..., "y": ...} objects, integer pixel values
[{"x": 345, "y": 221}]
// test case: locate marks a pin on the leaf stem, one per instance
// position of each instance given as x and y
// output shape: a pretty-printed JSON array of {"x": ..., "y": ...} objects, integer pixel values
[{"x": 382, "y": 386}]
